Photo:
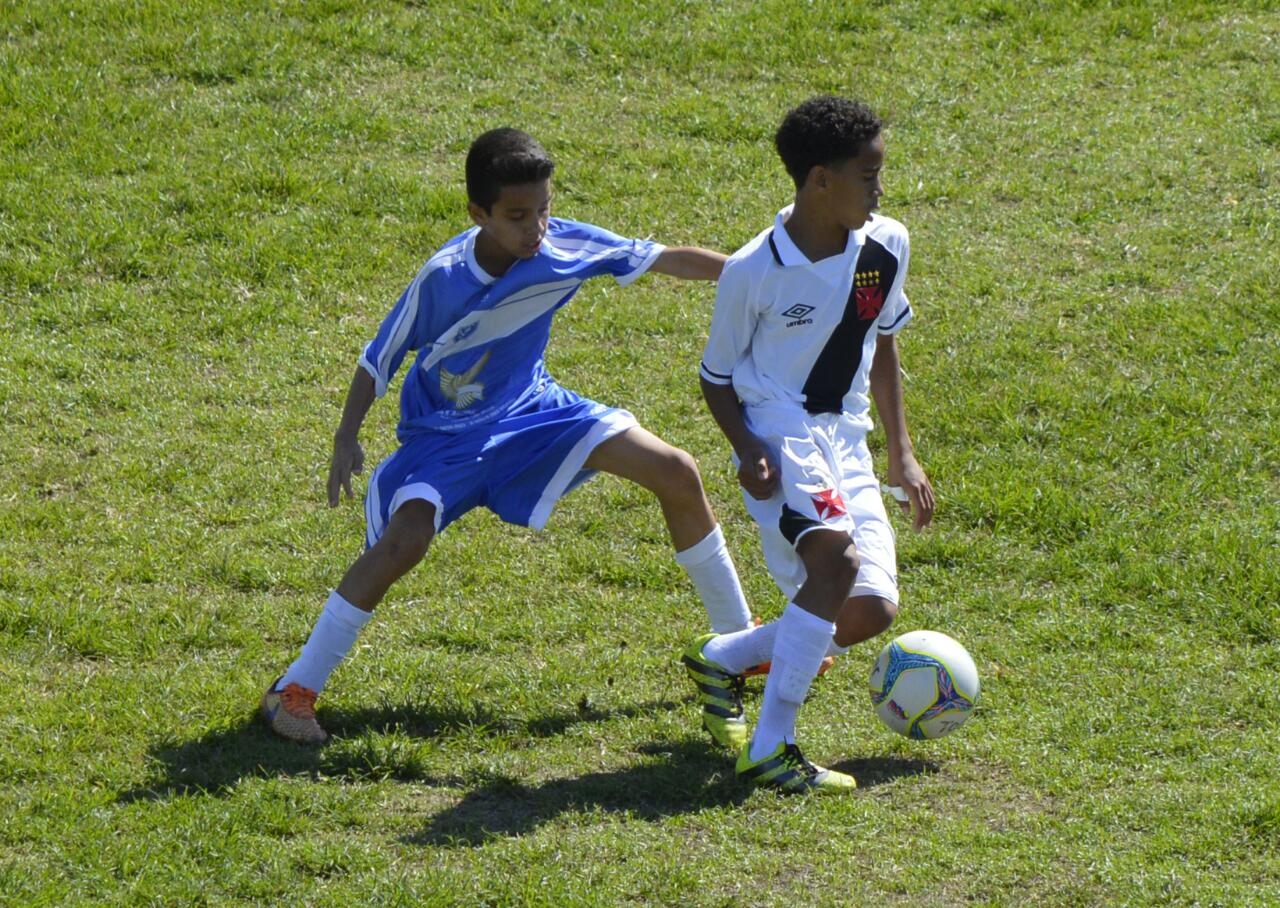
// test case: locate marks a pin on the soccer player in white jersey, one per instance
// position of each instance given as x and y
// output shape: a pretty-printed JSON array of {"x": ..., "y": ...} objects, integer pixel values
[
  {"x": 801, "y": 343},
  {"x": 482, "y": 423}
]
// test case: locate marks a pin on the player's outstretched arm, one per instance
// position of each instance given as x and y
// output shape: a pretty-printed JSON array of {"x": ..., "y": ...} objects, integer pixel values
[
  {"x": 348, "y": 456},
  {"x": 904, "y": 471},
  {"x": 689, "y": 262}
]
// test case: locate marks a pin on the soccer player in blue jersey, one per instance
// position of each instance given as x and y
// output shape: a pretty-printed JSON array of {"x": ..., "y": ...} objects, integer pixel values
[
  {"x": 802, "y": 341},
  {"x": 482, "y": 423}
]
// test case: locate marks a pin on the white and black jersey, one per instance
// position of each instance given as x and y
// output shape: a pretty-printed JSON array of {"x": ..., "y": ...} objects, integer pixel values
[{"x": 786, "y": 329}]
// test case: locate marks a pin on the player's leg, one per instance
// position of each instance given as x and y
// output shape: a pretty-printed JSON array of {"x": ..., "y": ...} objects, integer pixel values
[
  {"x": 402, "y": 545},
  {"x": 403, "y": 512},
  {"x": 872, "y": 605},
  {"x": 863, "y": 617},
  {"x": 672, "y": 475},
  {"x": 803, "y": 636},
  {"x": 289, "y": 704},
  {"x": 751, "y": 653}
]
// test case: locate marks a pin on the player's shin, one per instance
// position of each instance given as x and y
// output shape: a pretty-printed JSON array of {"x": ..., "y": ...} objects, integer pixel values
[
  {"x": 331, "y": 639},
  {"x": 802, "y": 643},
  {"x": 711, "y": 569}
]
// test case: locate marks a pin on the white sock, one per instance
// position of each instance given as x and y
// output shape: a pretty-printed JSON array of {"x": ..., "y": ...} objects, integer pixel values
[
  {"x": 711, "y": 569},
  {"x": 331, "y": 639},
  {"x": 739, "y": 651},
  {"x": 802, "y": 642},
  {"x": 742, "y": 650}
]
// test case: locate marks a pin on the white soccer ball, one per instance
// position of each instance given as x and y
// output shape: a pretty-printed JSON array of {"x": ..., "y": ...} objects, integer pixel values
[{"x": 924, "y": 685}]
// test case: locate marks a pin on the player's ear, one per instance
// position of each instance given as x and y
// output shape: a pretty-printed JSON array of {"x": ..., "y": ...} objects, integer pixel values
[
  {"x": 818, "y": 177},
  {"x": 478, "y": 215}
]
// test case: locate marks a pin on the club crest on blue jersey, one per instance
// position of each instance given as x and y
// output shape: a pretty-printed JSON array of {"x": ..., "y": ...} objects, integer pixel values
[{"x": 462, "y": 387}]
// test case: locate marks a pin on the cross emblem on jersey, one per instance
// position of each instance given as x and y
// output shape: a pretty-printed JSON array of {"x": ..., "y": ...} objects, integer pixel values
[
  {"x": 868, "y": 294},
  {"x": 828, "y": 503}
]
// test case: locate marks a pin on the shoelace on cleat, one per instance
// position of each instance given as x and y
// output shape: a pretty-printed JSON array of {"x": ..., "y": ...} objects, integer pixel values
[
  {"x": 792, "y": 756},
  {"x": 299, "y": 701},
  {"x": 723, "y": 698}
]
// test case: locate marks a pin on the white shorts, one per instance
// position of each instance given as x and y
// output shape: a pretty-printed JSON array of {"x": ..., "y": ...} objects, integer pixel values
[{"x": 827, "y": 481}]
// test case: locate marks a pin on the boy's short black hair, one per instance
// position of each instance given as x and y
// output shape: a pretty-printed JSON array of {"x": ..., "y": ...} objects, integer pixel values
[
  {"x": 823, "y": 130},
  {"x": 504, "y": 157}
]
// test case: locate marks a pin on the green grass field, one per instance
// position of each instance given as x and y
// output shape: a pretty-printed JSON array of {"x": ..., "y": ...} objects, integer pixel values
[{"x": 205, "y": 211}]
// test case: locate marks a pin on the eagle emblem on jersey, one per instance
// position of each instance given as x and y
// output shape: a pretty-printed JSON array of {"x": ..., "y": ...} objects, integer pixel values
[
  {"x": 868, "y": 294},
  {"x": 462, "y": 387},
  {"x": 828, "y": 503}
]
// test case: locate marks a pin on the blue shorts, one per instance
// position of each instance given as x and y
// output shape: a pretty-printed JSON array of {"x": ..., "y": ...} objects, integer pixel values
[{"x": 517, "y": 466}]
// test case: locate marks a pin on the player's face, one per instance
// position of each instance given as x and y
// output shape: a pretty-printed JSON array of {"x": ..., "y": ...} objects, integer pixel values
[
  {"x": 514, "y": 227},
  {"x": 854, "y": 185}
]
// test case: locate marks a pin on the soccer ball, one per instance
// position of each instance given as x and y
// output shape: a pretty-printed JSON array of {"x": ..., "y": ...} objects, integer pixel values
[{"x": 924, "y": 685}]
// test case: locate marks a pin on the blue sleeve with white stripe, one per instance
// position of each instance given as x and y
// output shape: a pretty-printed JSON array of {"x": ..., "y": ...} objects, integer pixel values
[
  {"x": 402, "y": 331},
  {"x": 601, "y": 251}
]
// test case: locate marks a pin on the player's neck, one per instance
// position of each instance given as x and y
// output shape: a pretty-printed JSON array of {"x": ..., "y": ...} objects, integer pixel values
[
  {"x": 814, "y": 233},
  {"x": 490, "y": 256}
]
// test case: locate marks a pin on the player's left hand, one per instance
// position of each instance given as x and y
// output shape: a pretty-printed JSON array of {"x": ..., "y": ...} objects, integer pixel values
[{"x": 908, "y": 476}]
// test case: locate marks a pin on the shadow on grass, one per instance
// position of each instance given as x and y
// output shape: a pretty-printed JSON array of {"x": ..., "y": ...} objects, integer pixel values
[
  {"x": 875, "y": 771},
  {"x": 684, "y": 777},
  {"x": 680, "y": 777},
  {"x": 399, "y": 742},
  {"x": 386, "y": 742}
]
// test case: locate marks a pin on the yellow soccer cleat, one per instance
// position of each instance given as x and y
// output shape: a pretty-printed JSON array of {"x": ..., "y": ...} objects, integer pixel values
[
  {"x": 788, "y": 772},
  {"x": 720, "y": 694}
]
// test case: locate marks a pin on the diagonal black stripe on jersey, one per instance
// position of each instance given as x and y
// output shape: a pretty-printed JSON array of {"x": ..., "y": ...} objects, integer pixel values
[{"x": 837, "y": 364}]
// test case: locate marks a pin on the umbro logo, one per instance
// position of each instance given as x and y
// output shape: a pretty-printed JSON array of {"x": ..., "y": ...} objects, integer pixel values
[{"x": 797, "y": 314}]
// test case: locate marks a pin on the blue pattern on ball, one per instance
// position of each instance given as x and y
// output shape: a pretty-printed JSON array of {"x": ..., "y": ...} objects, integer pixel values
[{"x": 949, "y": 699}]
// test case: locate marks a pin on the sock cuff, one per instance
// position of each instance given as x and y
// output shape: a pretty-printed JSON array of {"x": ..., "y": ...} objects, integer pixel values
[
  {"x": 338, "y": 608},
  {"x": 795, "y": 614},
  {"x": 700, "y": 551}
]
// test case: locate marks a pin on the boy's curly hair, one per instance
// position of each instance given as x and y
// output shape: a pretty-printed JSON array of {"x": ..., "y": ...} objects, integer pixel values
[
  {"x": 823, "y": 130},
  {"x": 504, "y": 157}
]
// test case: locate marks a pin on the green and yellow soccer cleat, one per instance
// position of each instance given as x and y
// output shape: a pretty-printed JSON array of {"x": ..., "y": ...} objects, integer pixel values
[
  {"x": 291, "y": 713},
  {"x": 720, "y": 694},
  {"x": 788, "y": 772}
]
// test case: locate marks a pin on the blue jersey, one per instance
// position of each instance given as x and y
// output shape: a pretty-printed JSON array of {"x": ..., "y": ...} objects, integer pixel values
[{"x": 480, "y": 340}]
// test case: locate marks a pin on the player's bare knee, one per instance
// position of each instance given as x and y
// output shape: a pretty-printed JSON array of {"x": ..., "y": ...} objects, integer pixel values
[
  {"x": 679, "y": 479},
  {"x": 879, "y": 614},
  {"x": 834, "y": 560},
  {"x": 862, "y": 618},
  {"x": 408, "y": 535},
  {"x": 402, "y": 552}
]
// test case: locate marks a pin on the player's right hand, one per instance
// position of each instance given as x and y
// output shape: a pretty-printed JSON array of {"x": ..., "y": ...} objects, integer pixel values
[
  {"x": 757, "y": 474},
  {"x": 348, "y": 458}
]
